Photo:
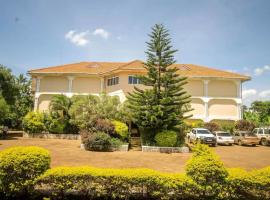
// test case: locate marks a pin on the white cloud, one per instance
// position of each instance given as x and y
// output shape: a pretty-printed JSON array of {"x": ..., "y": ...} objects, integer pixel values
[
  {"x": 259, "y": 71},
  {"x": 102, "y": 33},
  {"x": 248, "y": 93},
  {"x": 77, "y": 38},
  {"x": 265, "y": 94}
]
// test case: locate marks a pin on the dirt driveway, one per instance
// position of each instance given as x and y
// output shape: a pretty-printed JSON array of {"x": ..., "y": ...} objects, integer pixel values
[{"x": 68, "y": 153}]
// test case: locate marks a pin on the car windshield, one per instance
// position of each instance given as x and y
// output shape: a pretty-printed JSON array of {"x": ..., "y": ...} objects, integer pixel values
[
  {"x": 203, "y": 131},
  {"x": 267, "y": 131},
  {"x": 224, "y": 134},
  {"x": 249, "y": 134}
]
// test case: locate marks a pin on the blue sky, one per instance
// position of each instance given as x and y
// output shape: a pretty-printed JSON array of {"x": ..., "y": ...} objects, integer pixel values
[{"x": 232, "y": 35}]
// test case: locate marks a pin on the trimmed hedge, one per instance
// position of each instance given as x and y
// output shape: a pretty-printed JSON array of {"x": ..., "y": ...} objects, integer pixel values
[
  {"x": 19, "y": 167},
  {"x": 166, "y": 138}
]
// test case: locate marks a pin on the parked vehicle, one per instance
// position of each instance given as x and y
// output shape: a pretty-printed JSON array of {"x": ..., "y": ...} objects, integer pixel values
[
  {"x": 263, "y": 134},
  {"x": 224, "y": 137},
  {"x": 245, "y": 138},
  {"x": 201, "y": 135}
]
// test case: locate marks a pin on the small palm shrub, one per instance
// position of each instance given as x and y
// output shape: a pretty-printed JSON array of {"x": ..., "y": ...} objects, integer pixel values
[
  {"x": 19, "y": 167},
  {"x": 121, "y": 129},
  {"x": 33, "y": 122},
  {"x": 166, "y": 138}
]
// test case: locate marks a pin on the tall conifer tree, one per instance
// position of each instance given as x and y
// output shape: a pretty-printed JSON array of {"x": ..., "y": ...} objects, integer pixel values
[{"x": 163, "y": 104}]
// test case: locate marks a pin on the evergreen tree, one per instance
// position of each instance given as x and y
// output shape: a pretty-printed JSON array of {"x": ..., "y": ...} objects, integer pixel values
[{"x": 162, "y": 105}]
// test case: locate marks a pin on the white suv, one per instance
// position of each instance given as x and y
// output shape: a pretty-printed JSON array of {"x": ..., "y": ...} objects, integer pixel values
[
  {"x": 201, "y": 135},
  {"x": 263, "y": 134}
]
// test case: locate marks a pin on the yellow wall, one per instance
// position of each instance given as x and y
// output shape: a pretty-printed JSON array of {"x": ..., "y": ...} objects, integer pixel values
[
  {"x": 198, "y": 106},
  {"x": 194, "y": 87},
  {"x": 54, "y": 84},
  {"x": 219, "y": 88},
  {"x": 44, "y": 102},
  {"x": 222, "y": 107},
  {"x": 86, "y": 85}
]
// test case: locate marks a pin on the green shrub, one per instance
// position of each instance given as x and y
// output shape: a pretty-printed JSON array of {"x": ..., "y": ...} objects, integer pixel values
[
  {"x": 147, "y": 136},
  {"x": 115, "y": 142},
  {"x": 56, "y": 126},
  {"x": 244, "y": 125},
  {"x": 194, "y": 123},
  {"x": 97, "y": 141},
  {"x": 33, "y": 122},
  {"x": 211, "y": 126},
  {"x": 206, "y": 169},
  {"x": 225, "y": 125},
  {"x": 19, "y": 167},
  {"x": 104, "y": 125},
  {"x": 121, "y": 129},
  {"x": 166, "y": 138},
  {"x": 95, "y": 183}
]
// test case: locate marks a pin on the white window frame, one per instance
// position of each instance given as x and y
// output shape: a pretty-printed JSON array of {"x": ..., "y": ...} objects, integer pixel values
[
  {"x": 133, "y": 76},
  {"x": 113, "y": 81}
]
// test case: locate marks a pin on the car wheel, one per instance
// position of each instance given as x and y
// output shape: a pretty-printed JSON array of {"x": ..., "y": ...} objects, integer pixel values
[
  {"x": 240, "y": 143},
  {"x": 214, "y": 145},
  {"x": 264, "y": 142}
]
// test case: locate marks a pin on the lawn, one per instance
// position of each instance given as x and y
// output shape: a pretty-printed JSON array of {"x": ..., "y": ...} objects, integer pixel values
[{"x": 68, "y": 153}]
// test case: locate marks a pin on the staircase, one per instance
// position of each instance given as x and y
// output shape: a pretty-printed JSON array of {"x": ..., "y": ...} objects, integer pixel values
[{"x": 135, "y": 144}]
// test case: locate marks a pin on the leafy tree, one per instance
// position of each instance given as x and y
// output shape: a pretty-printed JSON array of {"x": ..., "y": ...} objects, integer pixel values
[
  {"x": 4, "y": 110},
  {"x": 262, "y": 108},
  {"x": 163, "y": 104}
]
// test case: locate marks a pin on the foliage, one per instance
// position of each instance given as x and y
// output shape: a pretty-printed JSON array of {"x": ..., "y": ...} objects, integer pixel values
[
  {"x": 147, "y": 136},
  {"x": 162, "y": 105},
  {"x": 60, "y": 104},
  {"x": 121, "y": 129},
  {"x": 85, "y": 110},
  {"x": 166, "y": 138},
  {"x": 263, "y": 109},
  {"x": 115, "y": 142},
  {"x": 104, "y": 125},
  {"x": 211, "y": 126},
  {"x": 194, "y": 123},
  {"x": 19, "y": 167},
  {"x": 33, "y": 122},
  {"x": 94, "y": 183},
  {"x": 252, "y": 117},
  {"x": 244, "y": 125},
  {"x": 206, "y": 169},
  {"x": 17, "y": 94},
  {"x": 225, "y": 125},
  {"x": 55, "y": 126},
  {"x": 97, "y": 141},
  {"x": 4, "y": 109}
]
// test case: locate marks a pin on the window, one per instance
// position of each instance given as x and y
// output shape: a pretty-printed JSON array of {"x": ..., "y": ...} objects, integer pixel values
[
  {"x": 260, "y": 131},
  {"x": 132, "y": 79},
  {"x": 113, "y": 81}
]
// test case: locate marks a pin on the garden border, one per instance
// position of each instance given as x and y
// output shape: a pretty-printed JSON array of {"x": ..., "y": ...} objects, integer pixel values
[
  {"x": 52, "y": 136},
  {"x": 165, "y": 149},
  {"x": 123, "y": 147}
]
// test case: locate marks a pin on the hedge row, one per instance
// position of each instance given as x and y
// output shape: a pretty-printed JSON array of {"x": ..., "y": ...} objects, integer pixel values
[{"x": 24, "y": 174}]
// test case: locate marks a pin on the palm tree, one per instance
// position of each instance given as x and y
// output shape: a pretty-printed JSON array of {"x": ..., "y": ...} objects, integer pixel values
[{"x": 60, "y": 104}]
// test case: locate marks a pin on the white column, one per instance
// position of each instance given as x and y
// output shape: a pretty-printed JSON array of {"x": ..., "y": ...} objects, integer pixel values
[
  {"x": 38, "y": 84},
  {"x": 70, "y": 83},
  {"x": 239, "y": 88},
  {"x": 205, "y": 87},
  {"x": 206, "y": 108},
  {"x": 102, "y": 84},
  {"x": 36, "y": 102},
  {"x": 239, "y": 111}
]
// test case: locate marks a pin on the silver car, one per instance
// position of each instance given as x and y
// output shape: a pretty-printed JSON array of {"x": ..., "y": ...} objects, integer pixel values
[{"x": 224, "y": 137}]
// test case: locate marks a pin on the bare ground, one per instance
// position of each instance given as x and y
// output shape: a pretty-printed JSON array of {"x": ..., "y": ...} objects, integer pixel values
[{"x": 68, "y": 153}]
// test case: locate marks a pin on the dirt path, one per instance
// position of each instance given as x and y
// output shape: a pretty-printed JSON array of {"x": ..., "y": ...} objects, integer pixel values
[{"x": 68, "y": 153}]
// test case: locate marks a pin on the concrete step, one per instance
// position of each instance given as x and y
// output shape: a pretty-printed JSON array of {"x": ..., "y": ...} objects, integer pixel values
[{"x": 135, "y": 144}]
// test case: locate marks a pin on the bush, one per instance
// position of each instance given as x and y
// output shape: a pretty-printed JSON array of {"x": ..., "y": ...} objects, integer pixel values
[
  {"x": 95, "y": 183},
  {"x": 97, "y": 141},
  {"x": 33, "y": 122},
  {"x": 206, "y": 169},
  {"x": 211, "y": 126},
  {"x": 166, "y": 138},
  {"x": 147, "y": 136},
  {"x": 105, "y": 126},
  {"x": 121, "y": 129},
  {"x": 19, "y": 167},
  {"x": 244, "y": 125},
  {"x": 225, "y": 125},
  {"x": 115, "y": 142},
  {"x": 56, "y": 126}
]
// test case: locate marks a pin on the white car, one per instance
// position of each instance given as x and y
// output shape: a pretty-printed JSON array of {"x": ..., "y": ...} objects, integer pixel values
[
  {"x": 201, "y": 135},
  {"x": 224, "y": 137}
]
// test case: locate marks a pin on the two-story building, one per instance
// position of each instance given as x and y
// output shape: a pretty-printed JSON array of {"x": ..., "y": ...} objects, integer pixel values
[{"x": 216, "y": 94}]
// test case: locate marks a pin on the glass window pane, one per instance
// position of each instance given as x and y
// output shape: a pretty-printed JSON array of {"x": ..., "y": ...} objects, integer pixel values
[
  {"x": 135, "y": 80},
  {"x": 129, "y": 79},
  {"x": 117, "y": 80}
]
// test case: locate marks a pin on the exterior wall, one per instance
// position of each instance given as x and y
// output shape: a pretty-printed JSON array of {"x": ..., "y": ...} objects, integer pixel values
[
  {"x": 54, "y": 84},
  {"x": 194, "y": 87},
  {"x": 220, "y": 88},
  {"x": 86, "y": 85},
  {"x": 198, "y": 106},
  {"x": 44, "y": 102},
  {"x": 222, "y": 108}
]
